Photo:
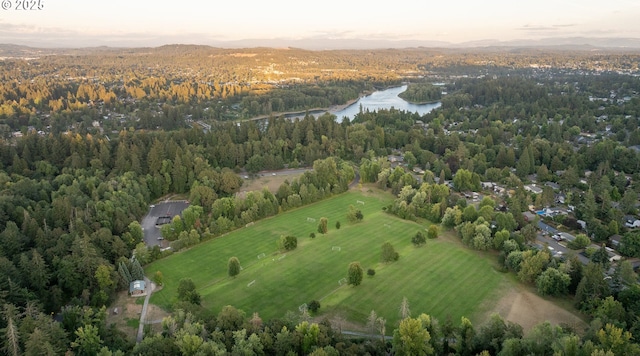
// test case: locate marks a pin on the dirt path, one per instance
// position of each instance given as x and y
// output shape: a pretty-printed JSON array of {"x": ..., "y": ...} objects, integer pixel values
[
  {"x": 143, "y": 315},
  {"x": 128, "y": 316}
]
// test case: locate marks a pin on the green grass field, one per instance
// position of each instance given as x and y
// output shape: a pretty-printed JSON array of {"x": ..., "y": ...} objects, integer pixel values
[{"x": 441, "y": 278}]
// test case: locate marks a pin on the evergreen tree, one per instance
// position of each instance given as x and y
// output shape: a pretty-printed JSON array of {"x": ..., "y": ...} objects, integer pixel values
[
  {"x": 123, "y": 270},
  {"x": 233, "y": 267},
  {"x": 137, "y": 273}
]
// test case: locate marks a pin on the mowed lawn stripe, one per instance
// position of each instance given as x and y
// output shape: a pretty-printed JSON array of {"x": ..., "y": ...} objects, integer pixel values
[
  {"x": 207, "y": 262},
  {"x": 441, "y": 278},
  {"x": 436, "y": 279}
]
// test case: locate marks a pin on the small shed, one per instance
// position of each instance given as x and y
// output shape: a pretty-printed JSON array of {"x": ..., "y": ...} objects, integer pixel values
[{"x": 137, "y": 288}]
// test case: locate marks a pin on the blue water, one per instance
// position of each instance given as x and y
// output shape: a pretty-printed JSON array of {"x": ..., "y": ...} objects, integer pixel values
[{"x": 382, "y": 99}]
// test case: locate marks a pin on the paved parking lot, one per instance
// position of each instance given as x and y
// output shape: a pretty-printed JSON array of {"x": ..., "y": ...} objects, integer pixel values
[{"x": 166, "y": 208}]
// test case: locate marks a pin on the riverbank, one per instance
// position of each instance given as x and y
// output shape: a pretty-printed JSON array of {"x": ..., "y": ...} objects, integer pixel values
[
  {"x": 369, "y": 101},
  {"x": 302, "y": 112},
  {"x": 421, "y": 102}
]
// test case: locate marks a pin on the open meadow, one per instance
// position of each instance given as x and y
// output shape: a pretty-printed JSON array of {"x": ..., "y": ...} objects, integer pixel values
[{"x": 441, "y": 278}]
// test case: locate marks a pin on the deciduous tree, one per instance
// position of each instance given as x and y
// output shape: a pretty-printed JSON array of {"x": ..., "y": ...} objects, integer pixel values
[
  {"x": 389, "y": 254},
  {"x": 553, "y": 282},
  {"x": 355, "y": 274},
  {"x": 322, "y": 227},
  {"x": 187, "y": 291},
  {"x": 411, "y": 338}
]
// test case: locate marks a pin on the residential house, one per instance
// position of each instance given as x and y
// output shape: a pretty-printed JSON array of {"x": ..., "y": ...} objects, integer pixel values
[
  {"x": 552, "y": 185},
  {"x": 615, "y": 240},
  {"x": 555, "y": 211},
  {"x": 533, "y": 189},
  {"x": 583, "y": 224},
  {"x": 631, "y": 221},
  {"x": 395, "y": 158},
  {"x": 613, "y": 256},
  {"x": 487, "y": 185},
  {"x": 418, "y": 170}
]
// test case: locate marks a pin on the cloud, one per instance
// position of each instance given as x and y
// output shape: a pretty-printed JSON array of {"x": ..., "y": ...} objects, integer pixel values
[
  {"x": 331, "y": 34},
  {"x": 534, "y": 28}
]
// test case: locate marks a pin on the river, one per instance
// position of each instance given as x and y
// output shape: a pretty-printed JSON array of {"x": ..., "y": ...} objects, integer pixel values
[{"x": 382, "y": 99}]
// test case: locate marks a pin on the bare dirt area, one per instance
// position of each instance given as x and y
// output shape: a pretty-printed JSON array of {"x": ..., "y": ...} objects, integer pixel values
[
  {"x": 128, "y": 316},
  {"x": 528, "y": 309},
  {"x": 270, "y": 180}
]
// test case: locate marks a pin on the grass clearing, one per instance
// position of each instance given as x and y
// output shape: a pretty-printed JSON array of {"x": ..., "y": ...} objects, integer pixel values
[{"x": 441, "y": 278}]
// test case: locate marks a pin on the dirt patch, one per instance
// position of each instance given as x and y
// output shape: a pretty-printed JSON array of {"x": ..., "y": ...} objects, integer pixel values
[
  {"x": 528, "y": 309},
  {"x": 268, "y": 180},
  {"x": 340, "y": 323},
  {"x": 128, "y": 315}
]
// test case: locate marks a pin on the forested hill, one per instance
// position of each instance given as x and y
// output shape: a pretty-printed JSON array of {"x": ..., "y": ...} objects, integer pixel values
[{"x": 96, "y": 89}]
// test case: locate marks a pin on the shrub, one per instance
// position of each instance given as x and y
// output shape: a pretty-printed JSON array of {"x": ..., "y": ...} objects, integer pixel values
[
  {"x": 312, "y": 235},
  {"x": 337, "y": 225},
  {"x": 158, "y": 278},
  {"x": 432, "y": 233},
  {"x": 354, "y": 215},
  {"x": 419, "y": 239},
  {"x": 371, "y": 272}
]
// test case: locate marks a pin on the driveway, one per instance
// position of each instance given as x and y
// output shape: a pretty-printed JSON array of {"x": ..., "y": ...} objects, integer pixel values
[{"x": 165, "y": 208}]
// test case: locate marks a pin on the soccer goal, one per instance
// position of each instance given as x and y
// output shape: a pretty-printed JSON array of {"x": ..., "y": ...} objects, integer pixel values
[
  {"x": 360, "y": 202},
  {"x": 342, "y": 282},
  {"x": 335, "y": 248},
  {"x": 303, "y": 307},
  {"x": 282, "y": 257},
  {"x": 249, "y": 224},
  {"x": 261, "y": 256},
  {"x": 251, "y": 283},
  {"x": 311, "y": 220}
]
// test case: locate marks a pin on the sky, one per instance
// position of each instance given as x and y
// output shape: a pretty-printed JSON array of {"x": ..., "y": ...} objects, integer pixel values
[{"x": 79, "y": 23}]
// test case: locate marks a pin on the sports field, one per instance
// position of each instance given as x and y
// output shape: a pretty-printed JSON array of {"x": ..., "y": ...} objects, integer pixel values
[{"x": 441, "y": 278}]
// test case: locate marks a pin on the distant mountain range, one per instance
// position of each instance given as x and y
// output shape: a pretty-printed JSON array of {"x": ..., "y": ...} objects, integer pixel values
[
  {"x": 565, "y": 43},
  {"x": 321, "y": 44}
]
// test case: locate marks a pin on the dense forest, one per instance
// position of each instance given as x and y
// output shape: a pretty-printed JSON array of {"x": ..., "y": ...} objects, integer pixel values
[
  {"x": 72, "y": 193},
  {"x": 60, "y": 90}
]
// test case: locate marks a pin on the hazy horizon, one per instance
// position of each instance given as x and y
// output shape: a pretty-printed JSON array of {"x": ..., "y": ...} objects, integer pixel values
[{"x": 74, "y": 23}]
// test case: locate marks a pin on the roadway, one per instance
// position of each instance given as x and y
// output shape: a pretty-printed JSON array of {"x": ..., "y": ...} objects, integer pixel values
[{"x": 559, "y": 247}]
